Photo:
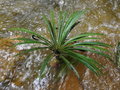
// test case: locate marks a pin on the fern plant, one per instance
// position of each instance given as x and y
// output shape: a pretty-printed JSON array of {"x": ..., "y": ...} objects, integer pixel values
[{"x": 64, "y": 48}]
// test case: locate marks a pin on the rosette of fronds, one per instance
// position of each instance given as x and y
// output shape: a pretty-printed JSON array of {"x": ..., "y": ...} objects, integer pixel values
[{"x": 66, "y": 49}]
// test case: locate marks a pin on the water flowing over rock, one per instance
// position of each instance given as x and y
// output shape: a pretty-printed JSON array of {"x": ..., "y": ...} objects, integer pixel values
[{"x": 21, "y": 72}]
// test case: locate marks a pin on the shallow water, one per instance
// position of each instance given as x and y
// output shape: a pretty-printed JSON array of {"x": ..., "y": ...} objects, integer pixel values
[{"x": 20, "y": 73}]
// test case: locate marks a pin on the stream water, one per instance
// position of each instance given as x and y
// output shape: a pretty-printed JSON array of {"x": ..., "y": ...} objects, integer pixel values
[{"x": 21, "y": 72}]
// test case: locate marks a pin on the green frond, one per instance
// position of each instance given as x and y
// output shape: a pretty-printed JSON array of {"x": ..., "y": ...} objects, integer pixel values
[
  {"x": 50, "y": 29},
  {"x": 30, "y": 40},
  {"x": 44, "y": 65},
  {"x": 53, "y": 23},
  {"x": 88, "y": 62},
  {"x": 62, "y": 71},
  {"x": 70, "y": 66},
  {"x": 90, "y": 43},
  {"x": 93, "y": 51},
  {"x": 77, "y": 40},
  {"x": 86, "y": 35},
  {"x": 94, "y": 47},
  {"x": 70, "y": 22},
  {"x": 82, "y": 37},
  {"x": 23, "y": 39},
  {"x": 31, "y": 32},
  {"x": 61, "y": 24}
]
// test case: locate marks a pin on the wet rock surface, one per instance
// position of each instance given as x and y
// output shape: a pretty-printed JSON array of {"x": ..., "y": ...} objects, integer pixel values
[{"x": 22, "y": 72}]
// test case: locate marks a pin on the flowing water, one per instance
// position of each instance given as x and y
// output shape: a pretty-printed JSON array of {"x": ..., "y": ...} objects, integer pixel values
[{"x": 21, "y": 72}]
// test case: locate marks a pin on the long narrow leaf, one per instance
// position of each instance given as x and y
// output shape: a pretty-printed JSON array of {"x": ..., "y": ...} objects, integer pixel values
[
  {"x": 53, "y": 24},
  {"x": 88, "y": 62},
  {"x": 30, "y": 40},
  {"x": 62, "y": 71},
  {"x": 93, "y": 51},
  {"x": 30, "y": 32},
  {"x": 49, "y": 28},
  {"x": 71, "y": 66},
  {"x": 79, "y": 37},
  {"x": 70, "y": 22},
  {"x": 44, "y": 64},
  {"x": 93, "y": 47},
  {"x": 61, "y": 25},
  {"x": 90, "y": 43},
  {"x": 77, "y": 40}
]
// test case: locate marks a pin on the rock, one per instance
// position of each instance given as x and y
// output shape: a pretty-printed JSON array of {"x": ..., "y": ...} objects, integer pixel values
[
  {"x": 118, "y": 55},
  {"x": 7, "y": 58}
]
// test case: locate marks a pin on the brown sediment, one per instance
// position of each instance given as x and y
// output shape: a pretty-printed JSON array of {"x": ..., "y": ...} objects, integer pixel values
[{"x": 71, "y": 81}]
